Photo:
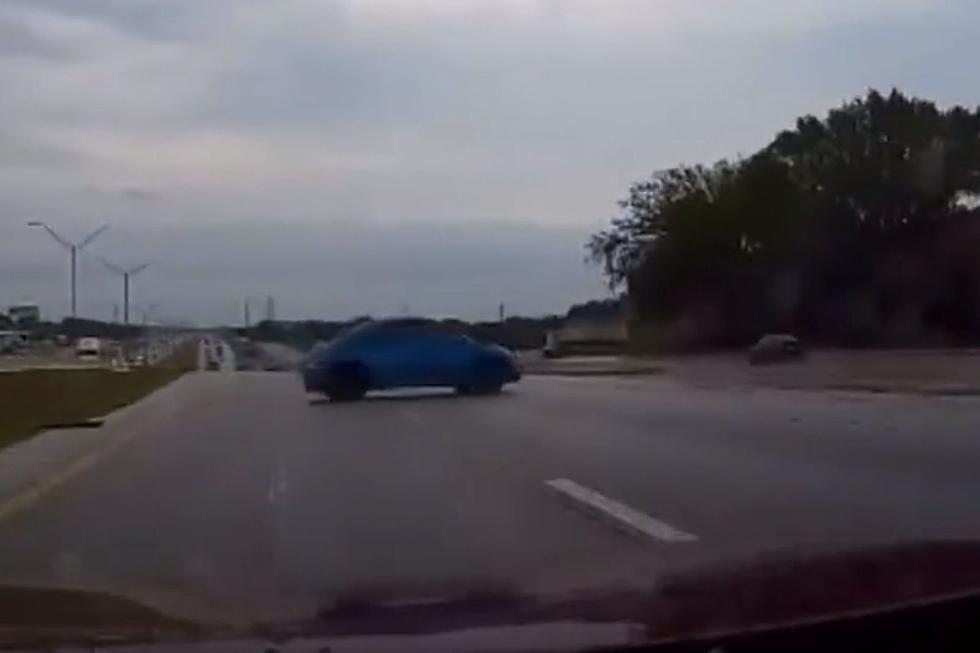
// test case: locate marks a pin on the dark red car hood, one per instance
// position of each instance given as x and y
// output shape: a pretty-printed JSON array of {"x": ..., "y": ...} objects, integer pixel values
[{"x": 767, "y": 592}]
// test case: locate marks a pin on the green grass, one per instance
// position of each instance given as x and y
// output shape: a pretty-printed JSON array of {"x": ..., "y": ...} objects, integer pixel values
[{"x": 32, "y": 400}]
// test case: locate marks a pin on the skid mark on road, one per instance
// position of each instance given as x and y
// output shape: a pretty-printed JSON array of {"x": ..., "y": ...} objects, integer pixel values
[
  {"x": 278, "y": 485},
  {"x": 413, "y": 417},
  {"x": 620, "y": 514}
]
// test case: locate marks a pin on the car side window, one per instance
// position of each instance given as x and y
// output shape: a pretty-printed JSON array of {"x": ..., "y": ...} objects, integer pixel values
[
  {"x": 376, "y": 337},
  {"x": 390, "y": 335},
  {"x": 396, "y": 333},
  {"x": 438, "y": 336},
  {"x": 423, "y": 334}
]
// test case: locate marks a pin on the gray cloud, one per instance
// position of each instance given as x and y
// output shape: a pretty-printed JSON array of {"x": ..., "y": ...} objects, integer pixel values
[
  {"x": 139, "y": 195},
  {"x": 21, "y": 151},
  {"x": 20, "y": 40},
  {"x": 171, "y": 20},
  {"x": 357, "y": 157}
]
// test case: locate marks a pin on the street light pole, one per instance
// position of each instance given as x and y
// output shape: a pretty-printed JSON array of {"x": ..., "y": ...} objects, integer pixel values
[
  {"x": 73, "y": 249},
  {"x": 126, "y": 274}
]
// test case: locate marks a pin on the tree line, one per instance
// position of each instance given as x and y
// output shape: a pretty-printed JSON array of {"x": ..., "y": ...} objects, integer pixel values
[
  {"x": 73, "y": 328},
  {"x": 514, "y": 332},
  {"x": 859, "y": 228}
]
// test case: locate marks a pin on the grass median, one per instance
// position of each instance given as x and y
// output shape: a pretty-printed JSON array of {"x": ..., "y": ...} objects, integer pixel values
[{"x": 33, "y": 400}]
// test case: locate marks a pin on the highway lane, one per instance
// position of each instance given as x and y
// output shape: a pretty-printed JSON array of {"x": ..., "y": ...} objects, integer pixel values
[{"x": 243, "y": 500}]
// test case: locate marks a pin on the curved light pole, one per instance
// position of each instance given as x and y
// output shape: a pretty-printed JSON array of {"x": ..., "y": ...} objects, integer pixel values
[
  {"x": 126, "y": 274},
  {"x": 72, "y": 248}
]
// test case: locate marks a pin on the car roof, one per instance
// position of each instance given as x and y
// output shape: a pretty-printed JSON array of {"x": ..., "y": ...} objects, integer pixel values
[
  {"x": 392, "y": 323},
  {"x": 778, "y": 337},
  {"x": 367, "y": 327},
  {"x": 404, "y": 321}
]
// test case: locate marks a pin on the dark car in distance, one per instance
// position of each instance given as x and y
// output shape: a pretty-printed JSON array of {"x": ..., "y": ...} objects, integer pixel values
[
  {"x": 775, "y": 348},
  {"x": 407, "y": 352}
]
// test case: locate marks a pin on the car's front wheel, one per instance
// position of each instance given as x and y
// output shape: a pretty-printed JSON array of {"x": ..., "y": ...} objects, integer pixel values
[
  {"x": 347, "y": 382},
  {"x": 486, "y": 377}
]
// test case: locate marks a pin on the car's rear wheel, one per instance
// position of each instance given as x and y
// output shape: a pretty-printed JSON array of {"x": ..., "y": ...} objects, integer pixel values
[{"x": 347, "y": 382}]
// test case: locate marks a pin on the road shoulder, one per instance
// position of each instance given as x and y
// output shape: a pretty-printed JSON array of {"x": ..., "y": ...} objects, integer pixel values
[{"x": 31, "y": 468}]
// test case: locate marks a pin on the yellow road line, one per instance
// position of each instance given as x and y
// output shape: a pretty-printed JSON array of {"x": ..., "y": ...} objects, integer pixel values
[{"x": 28, "y": 496}]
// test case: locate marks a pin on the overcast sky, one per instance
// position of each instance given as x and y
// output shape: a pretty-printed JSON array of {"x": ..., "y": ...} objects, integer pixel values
[{"x": 385, "y": 156}]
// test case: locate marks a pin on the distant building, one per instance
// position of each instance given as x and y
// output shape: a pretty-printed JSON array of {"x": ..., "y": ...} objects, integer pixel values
[{"x": 24, "y": 314}]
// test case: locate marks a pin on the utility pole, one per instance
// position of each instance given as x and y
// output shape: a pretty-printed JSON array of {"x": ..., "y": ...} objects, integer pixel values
[
  {"x": 73, "y": 249},
  {"x": 270, "y": 308},
  {"x": 248, "y": 320},
  {"x": 500, "y": 312},
  {"x": 126, "y": 274}
]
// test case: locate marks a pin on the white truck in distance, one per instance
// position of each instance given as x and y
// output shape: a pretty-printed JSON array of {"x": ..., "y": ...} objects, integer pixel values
[{"x": 88, "y": 348}]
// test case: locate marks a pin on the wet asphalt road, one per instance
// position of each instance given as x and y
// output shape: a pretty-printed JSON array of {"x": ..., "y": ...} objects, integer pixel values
[{"x": 238, "y": 498}]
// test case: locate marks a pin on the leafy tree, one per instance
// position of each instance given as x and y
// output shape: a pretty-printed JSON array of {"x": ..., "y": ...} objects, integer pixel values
[{"x": 797, "y": 235}]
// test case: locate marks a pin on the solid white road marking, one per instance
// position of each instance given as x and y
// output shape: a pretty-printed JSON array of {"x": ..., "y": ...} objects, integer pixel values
[{"x": 621, "y": 513}]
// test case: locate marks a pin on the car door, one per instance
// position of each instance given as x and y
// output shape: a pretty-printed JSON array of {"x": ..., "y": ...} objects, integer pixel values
[
  {"x": 433, "y": 357},
  {"x": 451, "y": 358},
  {"x": 396, "y": 356}
]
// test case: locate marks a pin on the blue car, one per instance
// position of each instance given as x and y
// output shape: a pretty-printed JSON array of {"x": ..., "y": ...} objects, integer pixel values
[{"x": 399, "y": 353}]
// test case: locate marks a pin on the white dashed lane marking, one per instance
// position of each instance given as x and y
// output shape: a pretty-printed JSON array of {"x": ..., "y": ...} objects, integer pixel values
[{"x": 619, "y": 513}]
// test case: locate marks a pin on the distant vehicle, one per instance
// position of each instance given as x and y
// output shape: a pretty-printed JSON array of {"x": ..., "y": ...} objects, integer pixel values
[
  {"x": 13, "y": 341},
  {"x": 88, "y": 348},
  {"x": 398, "y": 353},
  {"x": 552, "y": 345},
  {"x": 775, "y": 348}
]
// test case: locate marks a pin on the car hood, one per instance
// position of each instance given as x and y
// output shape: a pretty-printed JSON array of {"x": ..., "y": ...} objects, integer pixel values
[{"x": 762, "y": 593}]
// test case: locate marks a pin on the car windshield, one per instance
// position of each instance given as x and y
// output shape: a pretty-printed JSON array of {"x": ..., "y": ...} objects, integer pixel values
[{"x": 409, "y": 316}]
